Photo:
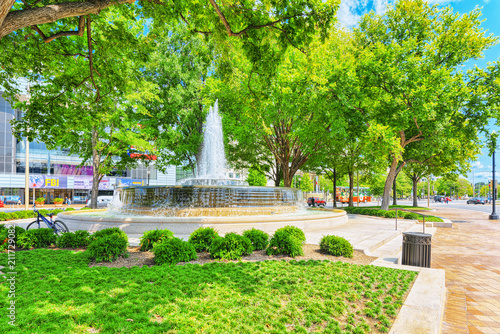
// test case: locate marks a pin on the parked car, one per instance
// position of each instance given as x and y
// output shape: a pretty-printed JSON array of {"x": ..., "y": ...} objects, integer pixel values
[
  {"x": 313, "y": 201},
  {"x": 438, "y": 198},
  {"x": 1, "y": 204},
  {"x": 102, "y": 201},
  {"x": 476, "y": 200}
]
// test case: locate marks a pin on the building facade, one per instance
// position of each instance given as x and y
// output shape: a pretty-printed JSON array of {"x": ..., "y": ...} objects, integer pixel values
[{"x": 56, "y": 173}]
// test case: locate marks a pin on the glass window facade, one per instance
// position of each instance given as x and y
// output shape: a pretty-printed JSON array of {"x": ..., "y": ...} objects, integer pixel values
[{"x": 7, "y": 150}]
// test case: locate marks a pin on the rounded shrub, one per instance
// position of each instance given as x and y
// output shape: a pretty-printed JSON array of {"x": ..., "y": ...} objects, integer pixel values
[
  {"x": 173, "y": 250},
  {"x": 40, "y": 237},
  {"x": 336, "y": 246},
  {"x": 284, "y": 242},
  {"x": 107, "y": 245},
  {"x": 232, "y": 247},
  {"x": 150, "y": 237},
  {"x": 356, "y": 211},
  {"x": 380, "y": 213},
  {"x": 73, "y": 239},
  {"x": 411, "y": 215},
  {"x": 69, "y": 209},
  {"x": 390, "y": 214},
  {"x": 364, "y": 211},
  {"x": 259, "y": 239},
  {"x": 294, "y": 231},
  {"x": 202, "y": 238}
]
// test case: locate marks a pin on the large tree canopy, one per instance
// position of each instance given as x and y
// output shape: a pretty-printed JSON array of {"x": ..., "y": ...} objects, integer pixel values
[
  {"x": 287, "y": 19},
  {"x": 411, "y": 59}
]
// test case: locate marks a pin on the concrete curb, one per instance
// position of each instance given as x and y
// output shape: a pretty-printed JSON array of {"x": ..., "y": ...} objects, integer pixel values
[{"x": 423, "y": 309}]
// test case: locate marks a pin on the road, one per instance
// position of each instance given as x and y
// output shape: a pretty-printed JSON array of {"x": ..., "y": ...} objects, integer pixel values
[{"x": 458, "y": 204}]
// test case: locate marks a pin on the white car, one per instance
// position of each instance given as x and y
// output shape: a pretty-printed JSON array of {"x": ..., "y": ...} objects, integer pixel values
[{"x": 102, "y": 201}]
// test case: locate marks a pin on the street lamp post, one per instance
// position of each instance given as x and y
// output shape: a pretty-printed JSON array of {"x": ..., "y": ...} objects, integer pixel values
[{"x": 493, "y": 215}]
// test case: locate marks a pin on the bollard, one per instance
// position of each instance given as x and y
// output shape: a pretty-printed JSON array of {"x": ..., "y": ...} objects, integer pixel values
[
  {"x": 396, "y": 219},
  {"x": 423, "y": 224}
]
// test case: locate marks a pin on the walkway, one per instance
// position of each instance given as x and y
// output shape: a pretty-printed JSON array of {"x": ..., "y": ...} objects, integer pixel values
[{"x": 470, "y": 255}]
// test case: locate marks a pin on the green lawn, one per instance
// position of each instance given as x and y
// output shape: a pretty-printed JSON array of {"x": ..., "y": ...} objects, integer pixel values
[{"x": 56, "y": 292}]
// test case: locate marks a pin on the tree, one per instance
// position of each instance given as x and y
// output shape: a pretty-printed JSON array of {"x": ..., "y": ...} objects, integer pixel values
[
  {"x": 306, "y": 184},
  {"x": 258, "y": 24},
  {"x": 413, "y": 72},
  {"x": 179, "y": 65},
  {"x": 84, "y": 102},
  {"x": 256, "y": 177},
  {"x": 288, "y": 111}
]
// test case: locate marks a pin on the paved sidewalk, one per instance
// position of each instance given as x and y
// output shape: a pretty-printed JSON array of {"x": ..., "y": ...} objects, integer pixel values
[{"x": 470, "y": 255}]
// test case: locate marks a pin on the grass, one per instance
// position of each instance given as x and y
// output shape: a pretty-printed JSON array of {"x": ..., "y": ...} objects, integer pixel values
[{"x": 56, "y": 291}]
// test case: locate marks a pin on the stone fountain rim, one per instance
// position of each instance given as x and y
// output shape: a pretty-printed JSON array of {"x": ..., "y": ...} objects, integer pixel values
[{"x": 80, "y": 216}]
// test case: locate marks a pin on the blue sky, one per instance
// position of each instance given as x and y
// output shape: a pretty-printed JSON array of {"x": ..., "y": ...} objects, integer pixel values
[{"x": 350, "y": 12}]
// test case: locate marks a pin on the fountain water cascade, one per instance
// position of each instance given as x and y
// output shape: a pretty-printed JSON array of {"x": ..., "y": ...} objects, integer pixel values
[{"x": 210, "y": 199}]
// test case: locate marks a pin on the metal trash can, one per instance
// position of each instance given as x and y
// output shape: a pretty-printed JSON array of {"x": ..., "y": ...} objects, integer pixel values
[{"x": 416, "y": 249}]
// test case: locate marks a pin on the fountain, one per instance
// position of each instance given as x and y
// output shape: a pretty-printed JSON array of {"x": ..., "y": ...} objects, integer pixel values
[{"x": 210, "y": 199}]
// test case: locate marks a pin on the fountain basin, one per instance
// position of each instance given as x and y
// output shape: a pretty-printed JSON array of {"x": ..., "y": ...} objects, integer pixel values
[
  {"x": 206, "y": 200},
  {"x": 182, "y": 227}
]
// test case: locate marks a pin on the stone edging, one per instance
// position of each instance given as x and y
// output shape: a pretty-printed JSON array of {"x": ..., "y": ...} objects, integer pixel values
[{"x": 423, "y": 309}]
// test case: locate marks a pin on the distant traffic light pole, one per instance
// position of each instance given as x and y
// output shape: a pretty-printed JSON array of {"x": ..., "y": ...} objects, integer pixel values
[{"x": 493, "y": 215}]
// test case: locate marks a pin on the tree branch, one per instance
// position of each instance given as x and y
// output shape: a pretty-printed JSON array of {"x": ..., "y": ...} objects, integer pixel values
[
  {"x": 91, "y": 61},
  {"x": 19, "y": 19},
  {"x": 79, "y": 32},
  {"x": 230, "y": 32}
]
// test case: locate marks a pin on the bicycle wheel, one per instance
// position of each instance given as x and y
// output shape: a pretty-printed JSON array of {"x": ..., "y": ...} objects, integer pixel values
[
  {"x": 34, "y": 225},
  {"x": 60, "y": 227}
]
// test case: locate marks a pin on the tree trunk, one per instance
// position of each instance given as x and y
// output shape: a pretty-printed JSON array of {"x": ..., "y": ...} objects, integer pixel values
[
  {"x": 351, "y": 188},
  {"x": 5, "y": 7},
  {"x": 394, "y": 192},
  {"x": 388, "y": 184},
  {"x": 415, "y": 179},
  {"x": 96, "y": 159},
  {"x": 334, "y": 188}
]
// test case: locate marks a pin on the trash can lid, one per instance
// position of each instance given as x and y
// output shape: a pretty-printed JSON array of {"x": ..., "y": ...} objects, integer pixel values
[{"x": 418, "y": 234}]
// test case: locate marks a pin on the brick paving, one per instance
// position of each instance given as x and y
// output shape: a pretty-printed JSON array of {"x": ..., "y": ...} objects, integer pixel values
[{"x": 470, "y": 255}]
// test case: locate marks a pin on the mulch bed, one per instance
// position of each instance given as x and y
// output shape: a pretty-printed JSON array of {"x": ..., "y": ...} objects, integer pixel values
[{"x": 311, "y": 252}]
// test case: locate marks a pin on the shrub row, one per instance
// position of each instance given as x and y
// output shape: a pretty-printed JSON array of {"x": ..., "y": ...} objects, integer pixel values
[
  {"x": 23, "y": 214},
  {"x": 390, "y": 214}
]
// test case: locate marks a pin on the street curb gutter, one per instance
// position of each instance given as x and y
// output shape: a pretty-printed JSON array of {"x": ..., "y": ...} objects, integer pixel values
[{"x": 423, "y": 309}]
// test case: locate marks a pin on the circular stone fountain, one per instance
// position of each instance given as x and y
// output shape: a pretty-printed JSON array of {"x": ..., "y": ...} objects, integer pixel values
[{"x": 210, "y": 200}]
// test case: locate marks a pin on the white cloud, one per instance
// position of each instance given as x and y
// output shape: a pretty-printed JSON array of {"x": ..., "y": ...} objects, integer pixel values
[
  {"x": 477, "y": 164},
  {"x": 486, "y": 1},
  {"x": 380, "y": 6},
  {"x": 350, "y": 11}
]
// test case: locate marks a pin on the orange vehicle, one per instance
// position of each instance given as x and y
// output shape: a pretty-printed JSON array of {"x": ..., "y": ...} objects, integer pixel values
[{"x": 364, "y": 195}]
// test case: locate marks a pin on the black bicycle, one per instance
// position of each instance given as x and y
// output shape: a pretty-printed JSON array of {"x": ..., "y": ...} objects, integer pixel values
[{"x": 57, "y": 225}]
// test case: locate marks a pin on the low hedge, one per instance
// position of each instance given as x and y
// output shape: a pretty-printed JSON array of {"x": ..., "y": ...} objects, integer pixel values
[
  {"x": 390, "y": 214},
  {"x": 23, "y": 214}
]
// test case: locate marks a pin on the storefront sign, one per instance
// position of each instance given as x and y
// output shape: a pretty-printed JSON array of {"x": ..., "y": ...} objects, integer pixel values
[
  {"x": 129, "y": 182},
  {"x": 85, "y": 182},
  {"x": 48, "y": 182}
]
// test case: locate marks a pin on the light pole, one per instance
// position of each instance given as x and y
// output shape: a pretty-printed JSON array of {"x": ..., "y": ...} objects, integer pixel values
[
  {"x": 149, "y": 173},
  {"x": 493, "y": 215}
]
